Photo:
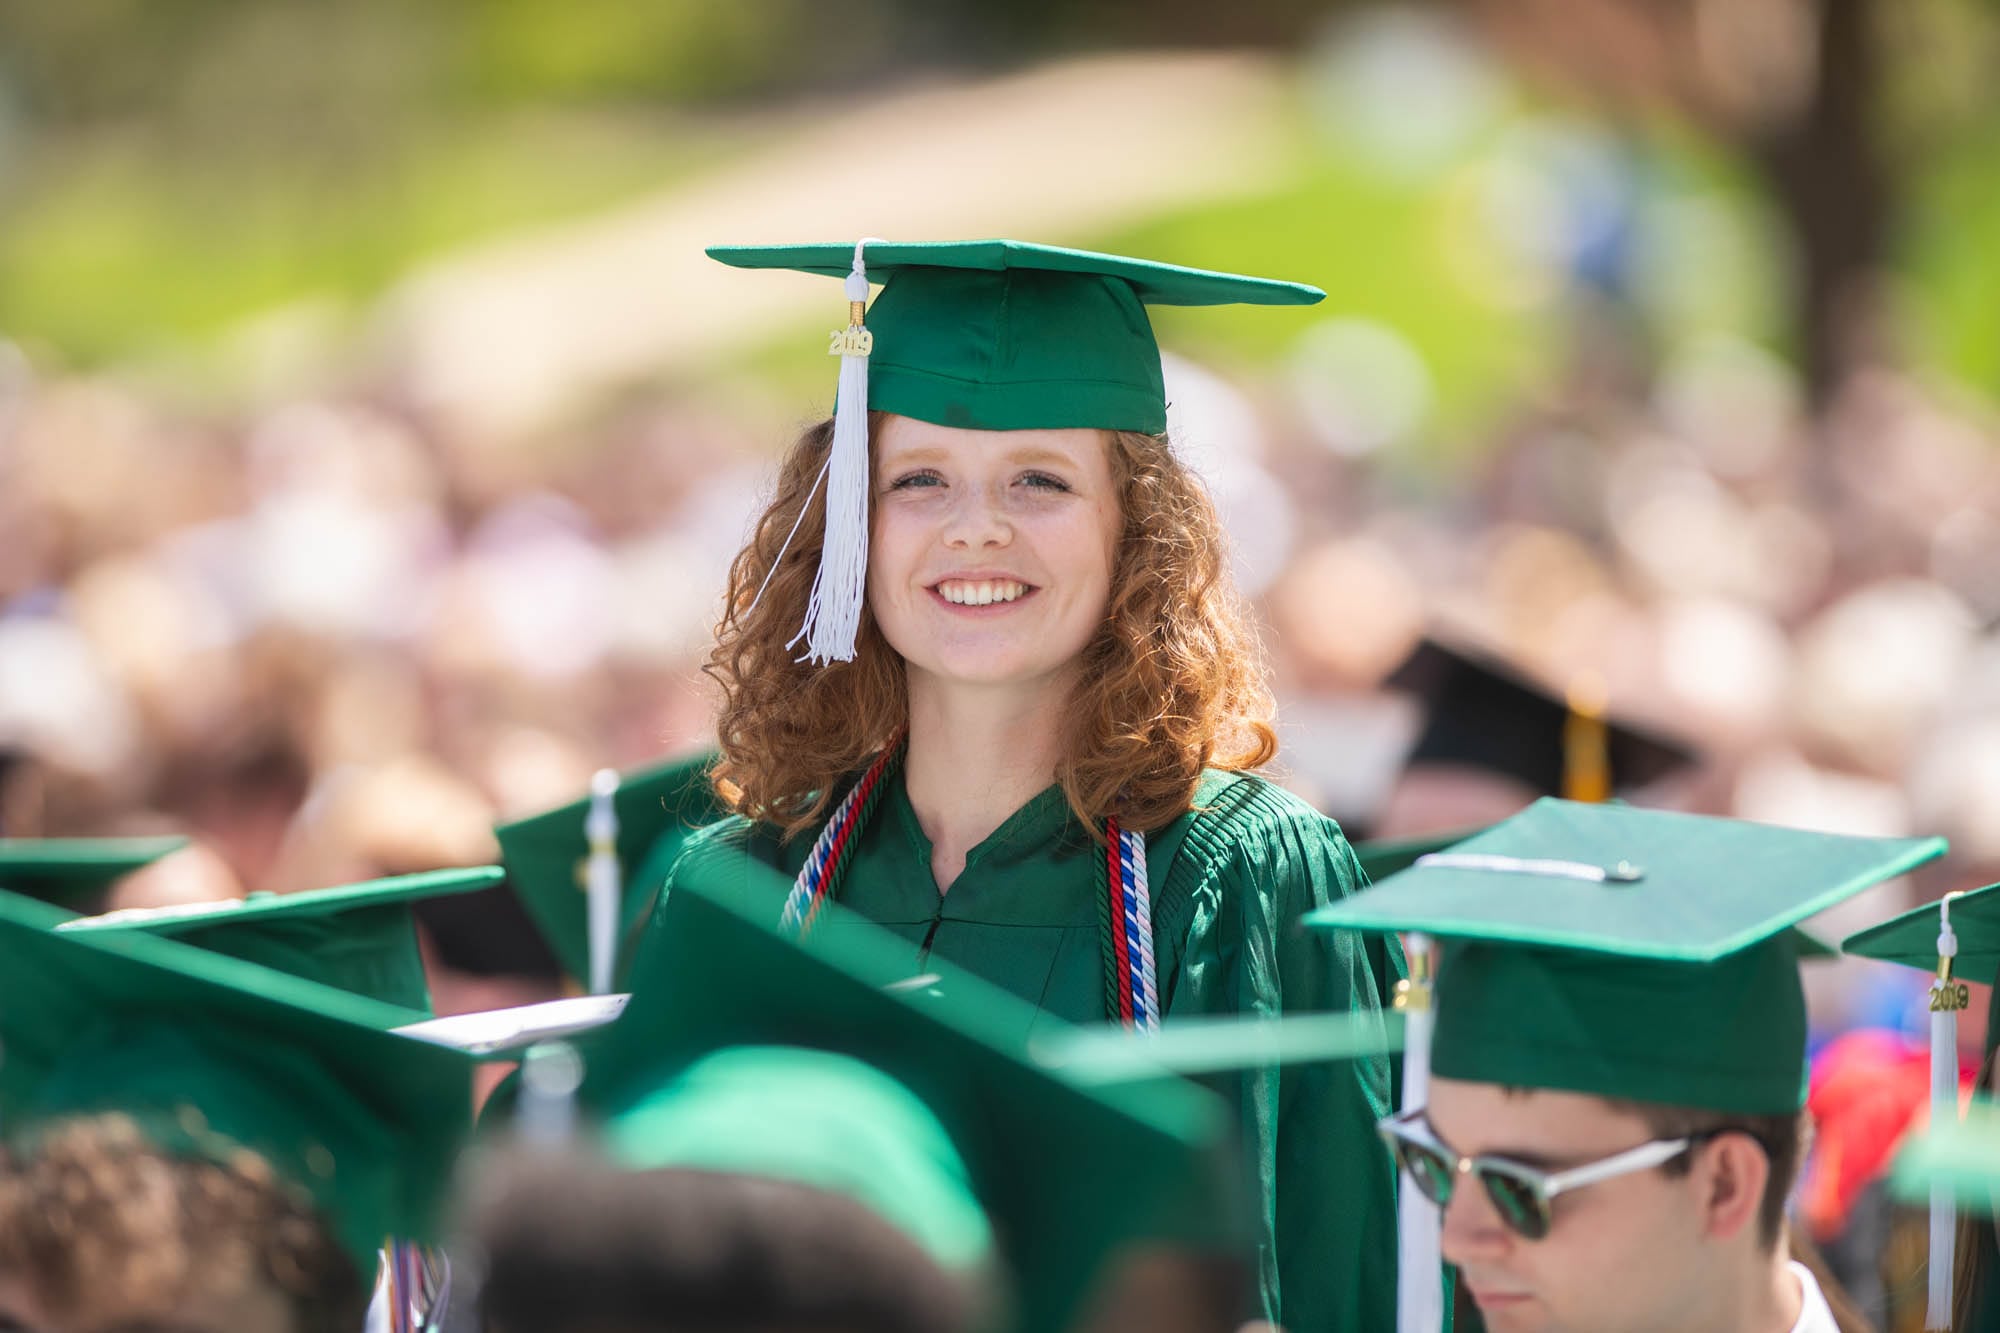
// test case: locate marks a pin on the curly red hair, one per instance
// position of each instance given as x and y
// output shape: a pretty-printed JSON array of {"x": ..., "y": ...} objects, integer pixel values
[{"x": 1172, "y": 683}]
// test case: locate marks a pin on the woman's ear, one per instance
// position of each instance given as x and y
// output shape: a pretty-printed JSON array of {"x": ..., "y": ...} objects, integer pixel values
[{"x": 1730, "y": 1173}]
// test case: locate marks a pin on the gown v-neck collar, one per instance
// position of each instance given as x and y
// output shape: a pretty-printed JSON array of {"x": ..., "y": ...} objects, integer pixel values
[{"x": 1031, "y": 833}]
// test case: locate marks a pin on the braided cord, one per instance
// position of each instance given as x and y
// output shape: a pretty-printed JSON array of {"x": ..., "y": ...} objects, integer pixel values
[{"x": 826, "y": 864}]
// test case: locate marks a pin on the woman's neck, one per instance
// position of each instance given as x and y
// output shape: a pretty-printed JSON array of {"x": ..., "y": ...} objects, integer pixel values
[{"x": 974, "y": 758}]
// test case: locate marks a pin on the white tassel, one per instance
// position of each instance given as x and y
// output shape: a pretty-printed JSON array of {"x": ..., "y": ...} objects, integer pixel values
[
  {"x": 1420, "y": 1262},
  {"x": 833, "y": 616},
  {"x": 1947, "y": 998},
  {"x": 603, "y": 879}
]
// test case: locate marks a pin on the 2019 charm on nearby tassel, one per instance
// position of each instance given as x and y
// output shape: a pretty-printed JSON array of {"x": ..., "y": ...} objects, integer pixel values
[
  {"x": 1948, "y": 996},
  {"x": 833, "y": 615}
]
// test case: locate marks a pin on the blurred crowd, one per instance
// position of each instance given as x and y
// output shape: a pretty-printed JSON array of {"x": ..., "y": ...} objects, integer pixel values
[
  {"x": 333, "y": 638},
  {"x": 330, "y": 638}
]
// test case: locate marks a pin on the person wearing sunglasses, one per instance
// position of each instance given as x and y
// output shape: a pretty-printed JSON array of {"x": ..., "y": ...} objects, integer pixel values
[{"x": 1616, "y": 1086}]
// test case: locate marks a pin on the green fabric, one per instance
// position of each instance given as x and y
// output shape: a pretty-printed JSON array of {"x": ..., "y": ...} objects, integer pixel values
[
  {"x": 1911, "y": 937},
  {"x": 1963, "y": 1154},
  {"x": 1708, "y": 887},
  {"x": 72, "y": 870},
  {"x": 1065, "y": 1172},
  {"x": 1005, "y": 335},
  {"x": 1382, "y": 858},
  {"x": 208, "y": 1051},
  {"x": 357, "y": 937},
  {"x": 1727, "y": 1036},
  {"x": 1229, "y": 883},
  {"x": 658, "y": 808},
  {"x": 849, "y": 1129},
  {"x": 1675, "y": 984}
]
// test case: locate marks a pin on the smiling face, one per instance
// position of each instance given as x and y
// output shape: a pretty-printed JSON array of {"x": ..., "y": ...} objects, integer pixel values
[
  {"x": 991, "y": 554},
  {"x": 1622, "y": 1255}
]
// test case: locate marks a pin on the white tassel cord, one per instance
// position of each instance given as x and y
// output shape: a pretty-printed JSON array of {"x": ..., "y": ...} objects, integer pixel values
[
  {"x": 603, "y": 879},
  {"x": 1948, "y": 996},
  {"x": 1420, "y": 1265},
  {"x": 833, "y": 615}
]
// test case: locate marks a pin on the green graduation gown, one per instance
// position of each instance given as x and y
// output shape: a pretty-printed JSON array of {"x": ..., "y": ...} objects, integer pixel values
[{"x": 1229, "y": 882}]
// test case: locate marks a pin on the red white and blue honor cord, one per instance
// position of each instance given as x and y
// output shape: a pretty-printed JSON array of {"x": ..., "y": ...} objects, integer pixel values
[
  {"x": 1131, "y": 985},
  {"x": 1131, "y": 989},
  {"x": 820, "y": 876}
]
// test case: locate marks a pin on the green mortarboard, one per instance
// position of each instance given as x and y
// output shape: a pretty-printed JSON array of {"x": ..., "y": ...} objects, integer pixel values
[
  {"x": 1386, "y": 856},
  {"x": 990, "y": 335},
  {"x": 545, "y": 855},
  {"x": 209, "y": 1053},
  {"x": 1063, "y": 1172},
  {"x": 358, "y": 937},
  {"x": 75, "y": 872},
  {"x": 1911, "y": 938},
  {"x": 1966, "y": 928},
  {"x": 1482, "y": 713},
  {"x": 1636, "y": 954},
  {"x": 1007, "y": 335}
]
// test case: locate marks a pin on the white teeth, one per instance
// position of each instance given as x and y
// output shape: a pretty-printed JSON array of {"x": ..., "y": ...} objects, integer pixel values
[{"x": 960, "y": 592}]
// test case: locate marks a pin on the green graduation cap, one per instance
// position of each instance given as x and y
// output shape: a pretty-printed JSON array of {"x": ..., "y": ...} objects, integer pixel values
[
  {"x": 991, "y": 335},
  {"x": 1956, "y": 939},
  {"x": 357, "y": 937},
  {"x": 1911, "y": 938},
  {"x": 75, "y": 872},
  {"x": 735, "y": 1030},
  {"x": 546, "y": 855},
  {"x": 209, "y": 1053},
  {"x": 1636, "y": 954}
]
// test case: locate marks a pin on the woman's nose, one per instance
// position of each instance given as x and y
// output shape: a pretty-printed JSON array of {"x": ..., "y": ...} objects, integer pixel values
[{"x": 976, "y": 519}]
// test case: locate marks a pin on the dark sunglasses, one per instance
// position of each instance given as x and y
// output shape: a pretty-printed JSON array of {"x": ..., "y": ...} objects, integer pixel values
[{"x": 1523, "y": 1196}]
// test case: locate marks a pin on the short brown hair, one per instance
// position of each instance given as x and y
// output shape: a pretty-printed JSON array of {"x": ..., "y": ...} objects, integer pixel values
[
  {"x": 1782, "y": 1137},
  {"x": 100, "y": 1223},
  {"x": 572, "y": 1244}
]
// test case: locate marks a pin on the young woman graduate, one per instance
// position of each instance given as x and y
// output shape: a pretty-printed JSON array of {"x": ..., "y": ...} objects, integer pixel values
[{"x": 1020, "y": 723}]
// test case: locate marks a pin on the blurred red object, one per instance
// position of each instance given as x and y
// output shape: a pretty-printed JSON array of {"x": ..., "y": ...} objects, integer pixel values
[{"x": 1869, "y": 1089}]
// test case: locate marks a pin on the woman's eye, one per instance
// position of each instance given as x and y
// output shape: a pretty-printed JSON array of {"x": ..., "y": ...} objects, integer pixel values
[
  {"x": 912, "y": 480},
  {"x": 1044, "y": 481}
]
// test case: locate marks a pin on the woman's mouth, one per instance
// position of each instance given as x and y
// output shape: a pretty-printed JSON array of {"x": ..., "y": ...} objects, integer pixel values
[{"x": 981, "y": 592}]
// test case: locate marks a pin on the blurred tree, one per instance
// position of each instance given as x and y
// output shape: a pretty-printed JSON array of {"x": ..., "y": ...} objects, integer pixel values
[{"x": 1814, "y": 93}]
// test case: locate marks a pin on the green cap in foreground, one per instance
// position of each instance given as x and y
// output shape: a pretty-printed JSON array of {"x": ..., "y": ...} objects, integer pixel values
[
  {"x": 1636, "y": 954},
  {"x": 1963, "y": 1154},
  {"x": 658, "y": 809},
  {"x": 1009, "y": 335},
  {"x": 75, "y": 871},
  {"x": 208, "y": 1054},
  {"x": 357, "y": 937},
  {"x": 1062, "y": 1173}
]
